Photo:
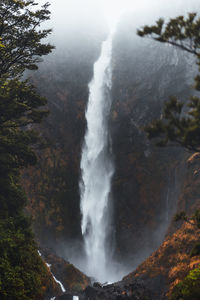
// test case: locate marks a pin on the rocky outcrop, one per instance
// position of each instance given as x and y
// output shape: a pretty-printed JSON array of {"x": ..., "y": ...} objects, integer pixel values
[
  {"x": 167, "y": 266},
  {"x": 73, "y": 280},
  {"x": 118, "y": 291}
]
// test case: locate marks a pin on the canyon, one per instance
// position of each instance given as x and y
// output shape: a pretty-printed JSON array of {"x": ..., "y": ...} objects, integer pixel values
[{"x": 149, "y": 184}]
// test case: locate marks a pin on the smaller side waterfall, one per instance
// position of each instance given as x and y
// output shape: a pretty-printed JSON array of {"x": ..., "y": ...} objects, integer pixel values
[{"x": 97, "y": 168}]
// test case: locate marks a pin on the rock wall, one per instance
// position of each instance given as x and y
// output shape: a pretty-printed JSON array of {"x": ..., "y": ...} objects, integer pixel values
[
  {"x": 53, "y": 185},
  {"x": 147, "y": 180}
]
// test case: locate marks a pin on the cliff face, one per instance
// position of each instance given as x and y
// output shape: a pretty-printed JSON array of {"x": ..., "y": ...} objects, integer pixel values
[
  {"x": 147, "y": 180},
  {"x": 53, "y": 186},
  {"x": 173, "y": 260},
  {"x": 189, "y": 199}
]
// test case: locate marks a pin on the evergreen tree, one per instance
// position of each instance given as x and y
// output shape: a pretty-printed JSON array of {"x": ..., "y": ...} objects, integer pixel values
[
  {"x": 21, "y": 268},
  {"x": 20, "y": 36},
  {"x": 174, "y": 126}
]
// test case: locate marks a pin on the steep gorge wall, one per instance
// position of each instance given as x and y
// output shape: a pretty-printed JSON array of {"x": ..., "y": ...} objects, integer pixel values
[
  {"x": 53, "y": 185},
  {"x": 147, "y": 180}
]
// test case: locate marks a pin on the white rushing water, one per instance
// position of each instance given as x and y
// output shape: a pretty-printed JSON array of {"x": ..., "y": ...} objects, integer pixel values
[
  {"x": 60, "y": 283},
  {"x": 97, "y": 168},
  {"x": 55, "y": 279}
]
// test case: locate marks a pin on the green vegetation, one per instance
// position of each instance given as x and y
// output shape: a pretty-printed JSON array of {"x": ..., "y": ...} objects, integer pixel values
[
  {"x": 21, "y": 268},
  {"x": 19, "y": 23},
  {"x": 176, "y": 127},
  {"x": 189, "y": 288}
]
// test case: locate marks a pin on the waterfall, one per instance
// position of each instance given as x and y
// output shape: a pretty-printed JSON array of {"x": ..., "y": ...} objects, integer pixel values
[{"x": 97, "y": 167}]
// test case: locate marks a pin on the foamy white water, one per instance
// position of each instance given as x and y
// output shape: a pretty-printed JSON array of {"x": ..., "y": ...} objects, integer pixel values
[{"x": 97, "y": 168}]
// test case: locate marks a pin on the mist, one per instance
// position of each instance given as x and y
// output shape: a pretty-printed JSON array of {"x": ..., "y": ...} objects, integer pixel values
[
  {"x": 79, "y": 25},
  {"x": 71, "y": 19}
]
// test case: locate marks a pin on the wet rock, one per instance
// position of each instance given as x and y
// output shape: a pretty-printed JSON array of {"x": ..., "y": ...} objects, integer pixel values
[
  {"x": 135, "y": 290},
  {"x": 73, "y": 280},
  {"x": 97, "y": 284},
  {"x": 65, "y": 297}
]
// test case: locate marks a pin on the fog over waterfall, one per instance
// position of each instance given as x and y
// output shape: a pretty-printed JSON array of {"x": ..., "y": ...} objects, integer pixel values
[
  {"x": 75, "y": 23},
  {"x": 72, "y": 17}
]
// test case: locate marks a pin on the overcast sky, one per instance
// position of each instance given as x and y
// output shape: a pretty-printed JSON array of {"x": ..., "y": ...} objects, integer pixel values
[
  {"x": 74, "y": 21},
  {"x": 69, "y": 14}
]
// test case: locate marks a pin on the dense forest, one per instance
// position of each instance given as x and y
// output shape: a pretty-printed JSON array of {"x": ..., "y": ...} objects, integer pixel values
[{"x": 22, "y": 271}]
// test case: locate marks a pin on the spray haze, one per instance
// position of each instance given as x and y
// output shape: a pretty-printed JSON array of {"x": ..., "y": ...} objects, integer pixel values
[
  {"x": 70, "y": 16},
  {"x": 78, "y": 22}
]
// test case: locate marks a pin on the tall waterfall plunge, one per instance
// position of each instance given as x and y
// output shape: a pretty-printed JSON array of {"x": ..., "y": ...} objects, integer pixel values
[{"x": 97, "y": 168}]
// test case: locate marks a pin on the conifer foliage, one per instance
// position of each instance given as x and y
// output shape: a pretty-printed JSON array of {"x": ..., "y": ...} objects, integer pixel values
[
  {"x": 21, "y": 48},
  {"x": 174, "y": 126},
  {"x": 21, "y": 36}
]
